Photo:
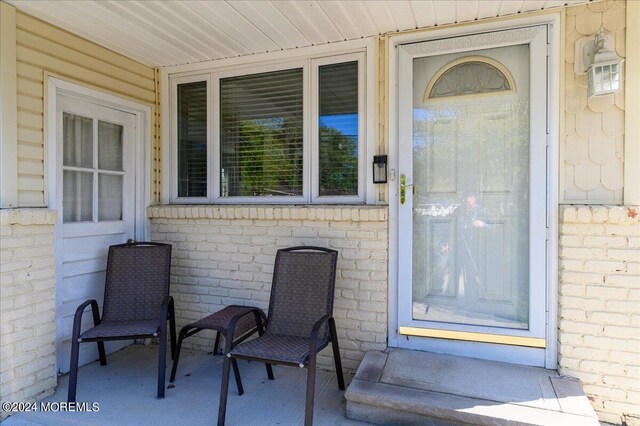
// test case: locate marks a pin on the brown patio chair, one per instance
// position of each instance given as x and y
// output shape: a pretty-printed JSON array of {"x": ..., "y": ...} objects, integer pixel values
[
  {"x": 136, "y": 305},
  {"x": 299, "y": 323}
]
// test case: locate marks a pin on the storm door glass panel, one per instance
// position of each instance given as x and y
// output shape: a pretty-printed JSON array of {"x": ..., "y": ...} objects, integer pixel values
[
  {"x": 338, "y": 129},
  {"x": 192, "y": 139},
  {"x": 471, "y": 202},
  {"x": 110, "y": 171},
  {"x": 261, "y": 134}
]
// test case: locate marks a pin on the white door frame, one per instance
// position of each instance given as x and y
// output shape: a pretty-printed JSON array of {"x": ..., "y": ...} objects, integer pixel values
[
  {"x": 55, "y": 87},
  {"x": 553, "y": 120}
]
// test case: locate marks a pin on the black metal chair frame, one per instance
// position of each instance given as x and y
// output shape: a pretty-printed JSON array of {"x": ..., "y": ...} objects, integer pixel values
[
  {"x": 167, "y": 312},
  {"x": 193, "y": 328},
  {"x": 315, "y": 346}
]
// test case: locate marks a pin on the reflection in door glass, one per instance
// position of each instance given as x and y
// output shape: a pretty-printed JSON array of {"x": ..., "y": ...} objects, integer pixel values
[{"x": 470, "y": 205}]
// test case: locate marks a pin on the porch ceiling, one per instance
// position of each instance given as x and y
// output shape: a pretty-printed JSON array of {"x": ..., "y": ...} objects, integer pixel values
[{"x": 167, "y": 32}]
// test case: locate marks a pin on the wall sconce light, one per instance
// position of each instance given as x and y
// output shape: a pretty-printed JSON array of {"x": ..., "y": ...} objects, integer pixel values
[
  {"x": 379, "y": 169},
  {"x": 602, "y": 65}
]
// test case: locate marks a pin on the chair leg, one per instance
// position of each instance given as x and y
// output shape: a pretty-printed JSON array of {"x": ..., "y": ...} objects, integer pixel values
[
  {"x": 224, "y": 389},
  {"x": 176, "y": 357},
  {"x": 236, "y": 373},
  {"x": 336, "y": 353},
  {"x": 73, "y": 369},
  {"x": 311, "y": 388},
  {"x": 217, "y": 345},
  {"x": 102, "y": 354},
  {"x": 162, "y": 360}
]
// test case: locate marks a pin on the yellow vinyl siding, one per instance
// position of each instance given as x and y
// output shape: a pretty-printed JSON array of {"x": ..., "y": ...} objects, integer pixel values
[{"x": 43, "y": 47}]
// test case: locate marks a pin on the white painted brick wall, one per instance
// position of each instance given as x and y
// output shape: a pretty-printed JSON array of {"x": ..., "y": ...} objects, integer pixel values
[
  {"x": 600, "y": 306},
  {"x": 27, "y": 305},
  {"x": 225, "y": 255}
]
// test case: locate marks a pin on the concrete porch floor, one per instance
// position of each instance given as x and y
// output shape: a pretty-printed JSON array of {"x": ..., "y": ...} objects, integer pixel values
[
  {"x": 125, "y": 390},
  {"x": 392, "y": 387}
]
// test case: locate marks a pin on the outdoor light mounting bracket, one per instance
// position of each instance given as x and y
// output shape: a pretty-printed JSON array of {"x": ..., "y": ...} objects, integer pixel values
[{"x": 585, "y": 50}]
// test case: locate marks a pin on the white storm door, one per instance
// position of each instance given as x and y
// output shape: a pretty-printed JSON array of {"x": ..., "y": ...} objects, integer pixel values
[
  {"x": 96, "y": 204},
  {"x": 472, "y": 207}
]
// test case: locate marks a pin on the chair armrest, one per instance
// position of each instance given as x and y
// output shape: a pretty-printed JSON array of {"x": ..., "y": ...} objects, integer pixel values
[
  {"x": 77, "y": 319},
  {"x": 316, "y": 327},
  {"x": 313, "y": 338},
  {"x": 167, "y": 304}
]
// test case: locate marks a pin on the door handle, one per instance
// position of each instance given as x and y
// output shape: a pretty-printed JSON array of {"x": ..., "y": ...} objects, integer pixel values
[{"x": 403, "y": 188}]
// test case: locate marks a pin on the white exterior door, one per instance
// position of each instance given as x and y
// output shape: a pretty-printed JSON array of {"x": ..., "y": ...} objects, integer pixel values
[
  {"x": 472, "y": 200},
  {"x": 96, "y": 194}
]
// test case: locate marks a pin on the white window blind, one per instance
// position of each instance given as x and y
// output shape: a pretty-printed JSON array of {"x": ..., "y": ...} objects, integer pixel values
[
  {"x": 192, "y": 139},
  {"x": 261, "y": 134}
]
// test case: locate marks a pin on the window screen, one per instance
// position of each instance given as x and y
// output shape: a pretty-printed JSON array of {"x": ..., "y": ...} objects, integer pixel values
[{"x": 261, "y": 134}]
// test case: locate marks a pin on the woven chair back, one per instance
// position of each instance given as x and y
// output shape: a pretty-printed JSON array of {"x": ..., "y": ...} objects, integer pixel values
[
  {"x": 302, "y": 290},
  {"x": 137, "y": 281}
]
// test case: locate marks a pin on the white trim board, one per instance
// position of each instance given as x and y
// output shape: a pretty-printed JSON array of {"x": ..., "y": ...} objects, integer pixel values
[
  {"x": 631, "y": 68},
  {"x": 553, "y": 119}
]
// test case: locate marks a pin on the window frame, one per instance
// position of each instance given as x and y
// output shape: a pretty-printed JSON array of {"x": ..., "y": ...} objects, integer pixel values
[
  {"x": 310, "y": 66},
  {"x": 175, "y": 82},
  {"x": 316, "y": 63}
]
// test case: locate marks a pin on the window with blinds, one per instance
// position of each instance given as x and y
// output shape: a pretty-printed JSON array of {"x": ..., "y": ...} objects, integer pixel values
[
  {"x": 261, "y": 135},
  {"x": 192, "y": 139},
  {"x": 286, "y": 133},
  {"x": 338, "y": 129}
]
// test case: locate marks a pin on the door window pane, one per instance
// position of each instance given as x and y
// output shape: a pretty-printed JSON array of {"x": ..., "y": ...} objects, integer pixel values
[
  {"x": 192, "y": 139},
  {"x": 261, "y": 135},
  {"x": 78, "y": 140},
  {"x": 338, "y": 129},
  {"x": 109, "y": 146},
  {"x": 109, "y": 197},
  {"x": 77, "y": 198}
]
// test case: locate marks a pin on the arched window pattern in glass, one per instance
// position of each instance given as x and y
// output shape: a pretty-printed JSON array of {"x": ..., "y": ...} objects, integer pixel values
[{"x": 471, "y": 75}]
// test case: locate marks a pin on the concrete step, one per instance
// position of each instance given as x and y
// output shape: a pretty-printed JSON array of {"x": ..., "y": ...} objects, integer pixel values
[{"x": 406, "y": 387}]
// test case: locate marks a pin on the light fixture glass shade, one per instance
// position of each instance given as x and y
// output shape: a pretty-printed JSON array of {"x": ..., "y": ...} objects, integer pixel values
[
  {"x": 605, "y": 73},
  {"x": 379, "y": 169}
]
